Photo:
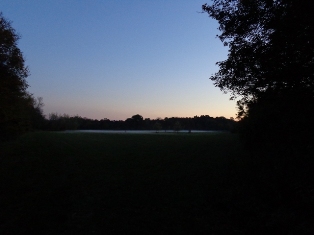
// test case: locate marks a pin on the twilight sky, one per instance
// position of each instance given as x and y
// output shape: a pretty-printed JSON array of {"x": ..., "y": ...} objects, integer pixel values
[{"x": 116, "y": 58}]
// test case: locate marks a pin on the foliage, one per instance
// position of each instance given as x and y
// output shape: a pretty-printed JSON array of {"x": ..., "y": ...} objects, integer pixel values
[
  {"x": 280, "y": 122},
  {"x": 37, "y": 116},
  {"x": 270, "y": 66},
  {"x": 57, "y": 122},
  {"x": 18, "y": 109},
  {"x": 271, "y": 46},
  {"x": 177, "y": 126},
  {"x": 13, "y": 95},
  {"x": 157, "y": 126},
  {"x": 135, "y": 122}
]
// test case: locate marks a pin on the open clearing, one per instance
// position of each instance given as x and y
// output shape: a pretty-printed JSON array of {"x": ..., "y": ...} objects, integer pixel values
[{"x": 92, "y": 183}]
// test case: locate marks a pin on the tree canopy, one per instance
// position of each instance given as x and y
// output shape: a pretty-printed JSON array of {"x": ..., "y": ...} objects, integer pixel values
[
  {"x": 270, "y": 66},
  {"x": 17, "y": 106},
  {"x": 12, "y": 69},
  {"x": 271, "y": 46}
]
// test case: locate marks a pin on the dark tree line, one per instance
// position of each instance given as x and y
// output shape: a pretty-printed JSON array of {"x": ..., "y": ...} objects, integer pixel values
[
  {"x": 270, "y": 69},
  {"x": 57, "y": 122}
]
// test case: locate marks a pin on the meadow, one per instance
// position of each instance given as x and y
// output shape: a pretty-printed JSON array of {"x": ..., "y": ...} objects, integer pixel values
[{"x": 94, "y": 183}]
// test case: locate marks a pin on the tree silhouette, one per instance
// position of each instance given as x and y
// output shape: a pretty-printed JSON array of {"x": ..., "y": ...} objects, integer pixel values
[
  {"x": 271, "y": 46},
  {"x": 157, "y": 126},
  {"x": 15, "y": 103},
  {"x": 270, "y": 67},
  {"x": 177, "y": 126}
]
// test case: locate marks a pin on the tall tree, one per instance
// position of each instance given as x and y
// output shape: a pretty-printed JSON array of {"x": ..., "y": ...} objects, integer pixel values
[
  {"x": 15, "y": 101},
  {"x": 271, "y": 45},
  {"x": 270, "y": 65}
]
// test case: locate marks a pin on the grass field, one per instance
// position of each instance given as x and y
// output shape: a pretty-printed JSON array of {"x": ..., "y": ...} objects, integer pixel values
[{"x": 90, "y": 183}]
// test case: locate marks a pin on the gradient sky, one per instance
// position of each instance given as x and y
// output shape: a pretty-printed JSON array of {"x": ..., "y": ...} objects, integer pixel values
[{"x": 116, "y": 58}]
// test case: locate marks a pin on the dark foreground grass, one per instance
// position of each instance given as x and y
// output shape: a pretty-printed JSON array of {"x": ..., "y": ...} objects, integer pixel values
[{"x": 65, "y": 183}]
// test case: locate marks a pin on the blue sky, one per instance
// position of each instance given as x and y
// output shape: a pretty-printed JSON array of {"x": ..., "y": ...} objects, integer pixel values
[{"x": 113, "y": 59}]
